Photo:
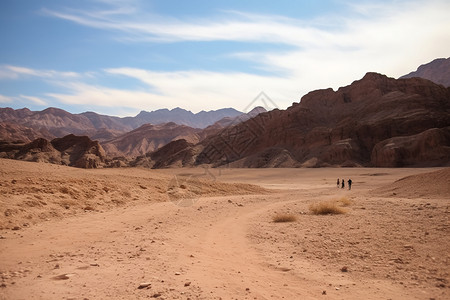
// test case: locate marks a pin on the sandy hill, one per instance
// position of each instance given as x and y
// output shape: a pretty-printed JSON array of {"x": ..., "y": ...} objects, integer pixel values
[
  {"x": 434, "y": 184},
  {"x": 33, "y": 192}
]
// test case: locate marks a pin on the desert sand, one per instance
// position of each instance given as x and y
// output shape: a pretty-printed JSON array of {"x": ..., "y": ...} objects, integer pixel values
[{"x": 135, "y": 233}]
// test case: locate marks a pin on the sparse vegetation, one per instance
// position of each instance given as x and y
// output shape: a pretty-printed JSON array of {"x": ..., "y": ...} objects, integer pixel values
[
  {"x": 284, "y": 218},
  {"x": 344, "y": 201},
  {"x": 326, "y": 208},
  {"x": 330, "y": 207}
]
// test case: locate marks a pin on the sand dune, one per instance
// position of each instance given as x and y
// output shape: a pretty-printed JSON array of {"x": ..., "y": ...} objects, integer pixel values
[
  {"x": 209, "y": 234},
  {"x": 427, "y": 185},
  {"x": 34, "y": 192}
]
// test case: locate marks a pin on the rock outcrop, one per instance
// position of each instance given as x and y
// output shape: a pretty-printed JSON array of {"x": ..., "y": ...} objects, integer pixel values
[
  {"x": 178, "y": 153},
  {"x": 430, "y": 148},
  {"x": 149, "y": 138},
  {"x": 71, "y": 150},
  {"x": 342, "y": 128}
]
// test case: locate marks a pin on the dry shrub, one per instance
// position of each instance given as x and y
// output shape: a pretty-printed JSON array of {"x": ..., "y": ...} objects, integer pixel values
[
  {"x": 344, "y": 201},
  {"x": 326, "y": 208},
  {"x": 283, "y": 218}
]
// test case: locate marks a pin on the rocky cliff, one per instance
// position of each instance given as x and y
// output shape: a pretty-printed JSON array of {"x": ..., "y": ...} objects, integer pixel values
[
  {"x": 71, "y": 150},
  {"x": 148, "y": 138},
  {"x": 347, "y": 127}
]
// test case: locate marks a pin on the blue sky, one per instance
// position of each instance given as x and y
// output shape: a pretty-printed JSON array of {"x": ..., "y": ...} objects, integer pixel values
[{"x": 119, "y": 57}]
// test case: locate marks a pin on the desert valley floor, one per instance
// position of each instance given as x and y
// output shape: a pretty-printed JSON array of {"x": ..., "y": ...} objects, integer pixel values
[{"x": 134, "y": 233}]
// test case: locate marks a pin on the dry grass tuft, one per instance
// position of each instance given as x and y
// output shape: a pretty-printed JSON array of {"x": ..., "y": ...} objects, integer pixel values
[
  {"x": 326, "y": 208},
  {"x": 344, "y": 201},
  {"x": 284, "y": 218}
]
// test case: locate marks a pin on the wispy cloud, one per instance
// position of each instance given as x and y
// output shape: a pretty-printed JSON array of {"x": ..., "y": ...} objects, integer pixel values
[
  {"x": 329, "y": 51},
  {"x": 329, "y": 30},
  {"x": 232, "y": 26},
  {"x": 387, "y": 37},
  {"x": 15, "y": 72},
  {"x": 35, "y": 100},
  {"x": 5, "y": 99}
]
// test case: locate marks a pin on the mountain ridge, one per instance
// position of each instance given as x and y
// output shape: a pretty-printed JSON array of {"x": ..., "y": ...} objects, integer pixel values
[
  {"x": 59, "y": 123},
  {"x": 397, "y": 118},
  {"x": 437, "y": 71}
]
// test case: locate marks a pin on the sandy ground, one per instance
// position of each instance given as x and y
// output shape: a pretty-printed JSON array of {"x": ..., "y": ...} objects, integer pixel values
[{"x": 209, "y": 234}]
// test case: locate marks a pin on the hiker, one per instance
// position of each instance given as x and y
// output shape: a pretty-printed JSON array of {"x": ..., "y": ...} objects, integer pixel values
[
  {"x": 338, "y": 183},
  {"x": 343, "y": 183},
  {"x": 349, "y": 184}
]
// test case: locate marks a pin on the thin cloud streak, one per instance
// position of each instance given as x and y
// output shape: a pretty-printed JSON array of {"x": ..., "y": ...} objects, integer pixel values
[
  {"x": 35, "y": 100},
  {"x": 16, "y": 72},
  {"x": 5, "y": 99},
  {"x": 388, "y": 38},
  {"x": 235, "y": 26}
]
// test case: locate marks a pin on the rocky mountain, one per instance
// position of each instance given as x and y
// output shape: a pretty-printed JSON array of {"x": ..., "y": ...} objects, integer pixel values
[
  {"x": 175, "y": 154},
  {"x": 231, "y": 121},
  {"x": 54, "y": 122},
  {"x": 437, "y": 71},
  {"x": 182, "y": 117},
  {"x": 71, "y": 150},
  {"x": 150, "y": 137},
  {"x": 375, "y": 121},
  {"x": 21, "y": 134}
]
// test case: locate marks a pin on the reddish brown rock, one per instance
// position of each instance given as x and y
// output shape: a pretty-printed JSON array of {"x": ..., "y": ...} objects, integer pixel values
[
  {"x": 80, "y": 151},
  {"x": 71, "y": 150},
  {"x": 429, "y": 148},
  {"x": 13, "y": 132},
  {"x": 338, "y": 127},
  {"x": 178, "y": 153},
  {"x": 149, "y": 138},
  {"x": 437, "y": 71}
]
